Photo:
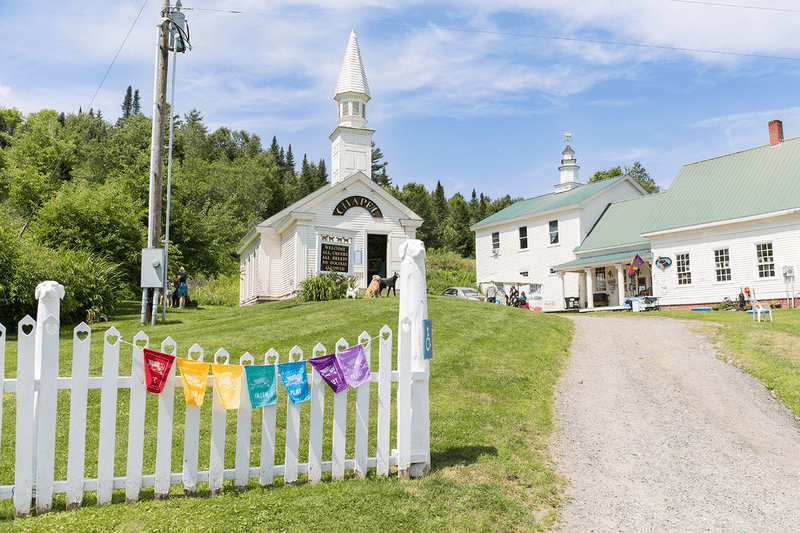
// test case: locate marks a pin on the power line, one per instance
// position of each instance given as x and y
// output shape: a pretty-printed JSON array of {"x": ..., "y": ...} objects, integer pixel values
[
  {"x": 738, "y": 6},
  {"x": 509, "y": 34}
]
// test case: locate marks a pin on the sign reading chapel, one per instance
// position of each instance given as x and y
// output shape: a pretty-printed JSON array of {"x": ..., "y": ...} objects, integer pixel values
[
  {"x": 358, "y": 201},
  {"x": 334, "y": 257}
]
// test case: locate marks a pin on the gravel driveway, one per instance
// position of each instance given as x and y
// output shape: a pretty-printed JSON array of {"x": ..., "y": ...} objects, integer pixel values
[{"x": 657, "y": 434}]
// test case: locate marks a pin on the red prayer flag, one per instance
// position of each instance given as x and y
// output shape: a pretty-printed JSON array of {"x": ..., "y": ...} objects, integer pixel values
[{"x": 156, "y": 369}]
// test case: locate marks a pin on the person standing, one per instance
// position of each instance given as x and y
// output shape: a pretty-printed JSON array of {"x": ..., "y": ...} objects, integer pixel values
[{"x": 182, "y": 291}]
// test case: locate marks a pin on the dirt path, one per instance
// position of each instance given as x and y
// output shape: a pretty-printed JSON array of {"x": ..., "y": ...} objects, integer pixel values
[{"x": 657, "y": 434}]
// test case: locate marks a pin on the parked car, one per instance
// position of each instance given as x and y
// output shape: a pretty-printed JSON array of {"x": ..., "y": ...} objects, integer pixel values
[{"x": 468, "y": 293}]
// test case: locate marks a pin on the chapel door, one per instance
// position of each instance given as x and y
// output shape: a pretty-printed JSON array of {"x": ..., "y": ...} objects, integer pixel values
[{"x": 376, "y": 255}]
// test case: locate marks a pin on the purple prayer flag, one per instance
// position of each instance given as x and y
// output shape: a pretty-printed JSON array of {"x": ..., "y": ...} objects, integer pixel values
[
  {"x": 331, "y": 372},
  {"x": 295, "y": 378},
  {"x": 354, "y": 364}
]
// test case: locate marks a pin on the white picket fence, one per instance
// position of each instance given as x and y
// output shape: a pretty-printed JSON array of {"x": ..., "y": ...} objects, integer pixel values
[{"x": 37, "y": 405}]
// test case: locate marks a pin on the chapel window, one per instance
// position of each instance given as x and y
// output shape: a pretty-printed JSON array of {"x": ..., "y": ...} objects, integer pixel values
[
  {"x": 554, "y": 232},
  {"x": 683, "y": 270},
  {"x": 766, "y": 262},
  {"x": 523, "y": 238},
  {"x": 495, "y": 242},
  {"x": 722, "y": 264}
]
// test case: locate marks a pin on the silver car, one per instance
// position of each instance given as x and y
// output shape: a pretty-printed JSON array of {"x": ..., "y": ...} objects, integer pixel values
[{"x": 468, "y": 293}]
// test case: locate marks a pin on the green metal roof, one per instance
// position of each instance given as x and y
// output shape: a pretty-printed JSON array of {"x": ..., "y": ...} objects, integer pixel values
[
  {"x": 548, "y": 202},
  {"x": 621, "y": 224},
  {"x": 607, "y": 258},
  {"x": 748, "y": 183}
]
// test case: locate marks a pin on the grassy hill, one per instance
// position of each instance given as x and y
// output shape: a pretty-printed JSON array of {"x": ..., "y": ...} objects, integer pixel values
[{"x": 491, "y": 389}]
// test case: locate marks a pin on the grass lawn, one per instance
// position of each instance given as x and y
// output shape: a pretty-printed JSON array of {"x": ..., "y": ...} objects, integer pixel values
[{"x": 491, "y": 389}]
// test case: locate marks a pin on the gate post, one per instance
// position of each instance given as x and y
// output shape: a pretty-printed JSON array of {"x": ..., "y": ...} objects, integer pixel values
[{"x": 414, "y": 307}]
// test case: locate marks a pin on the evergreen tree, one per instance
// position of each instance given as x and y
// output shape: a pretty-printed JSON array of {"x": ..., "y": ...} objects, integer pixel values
[
  {"x": 440, "y": 204},
  {"x": 638, "y": 173},
  {"x": 307, "y": 181},
  {"x": 137, "y": 104},
  {"x": 275, "y": 149},
  {"x": 290, "y": 161},
  {"x": 379, "y": 175},
  {"x": 322, "y": 174},
  {"x": 127, "y": 104}
]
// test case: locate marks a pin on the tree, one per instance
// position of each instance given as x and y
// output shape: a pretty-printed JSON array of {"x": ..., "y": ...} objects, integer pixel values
[
  {"x": 137, "y": 104},
  {"x": 379, "y": 175},
  {"x": 127, "y": 104},
  {"x": 638, "y": 173},
  {"x": 322, "y": 174},
  {"x": 600, "y": 175}
]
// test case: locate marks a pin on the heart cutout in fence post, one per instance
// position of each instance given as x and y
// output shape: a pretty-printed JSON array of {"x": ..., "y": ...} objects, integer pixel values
[{"x": 156, "y": 369}]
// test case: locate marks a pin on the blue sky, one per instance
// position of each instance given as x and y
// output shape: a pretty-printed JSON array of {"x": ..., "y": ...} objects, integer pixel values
[{"x": 472, "y": 93}]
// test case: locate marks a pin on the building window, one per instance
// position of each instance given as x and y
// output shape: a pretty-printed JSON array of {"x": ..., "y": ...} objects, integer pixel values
[
  {"x": 524, "y": 273},
  {"x": 600, "y": 278},
  {"x": 723, "y": 264},
  {"x": 364, "y": 110},
  {"x": 554, "y": 232},
  {"x": 523, "y": 238},
  {"x": 345, "y": 109},
  {"x": 357, "y": 109},
  {"x": 682, "y": 265},
  {"x": 766, "y": 264},
  {"x": 495, "y": 242}
]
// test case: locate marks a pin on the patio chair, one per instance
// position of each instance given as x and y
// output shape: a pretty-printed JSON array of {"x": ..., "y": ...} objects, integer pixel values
[{"x": 759, "y": 308}]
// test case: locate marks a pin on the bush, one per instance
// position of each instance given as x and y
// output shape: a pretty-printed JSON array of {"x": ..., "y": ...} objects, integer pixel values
[
  {"x": 326, "y": 286},
  {"x": 222, "y": 290},
  {"x": 91, "y": 283},
  {"x": 448, "y": 269}
]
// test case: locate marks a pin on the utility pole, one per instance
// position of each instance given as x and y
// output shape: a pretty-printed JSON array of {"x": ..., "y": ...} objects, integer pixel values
[{"x": 150, "y": 295}]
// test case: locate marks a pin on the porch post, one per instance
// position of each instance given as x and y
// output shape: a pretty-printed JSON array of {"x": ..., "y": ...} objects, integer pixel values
[
  {"x": 620, "y": 283},
  {"x": 589, "y": 288},
  {"x": 563, "y": 291}
]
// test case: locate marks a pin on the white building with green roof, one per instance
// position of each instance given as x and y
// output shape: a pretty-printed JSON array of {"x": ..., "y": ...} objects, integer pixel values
[
  {"x": 527, "y": 239},
  {"x": 725, "y": 223}
]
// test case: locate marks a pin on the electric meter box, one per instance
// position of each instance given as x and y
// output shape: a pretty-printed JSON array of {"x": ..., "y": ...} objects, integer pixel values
[
  {"x": 788, "y": 272},
  {"x": 152, "y": 268}
]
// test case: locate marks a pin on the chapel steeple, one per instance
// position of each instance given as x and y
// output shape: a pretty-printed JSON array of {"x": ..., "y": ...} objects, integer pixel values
[
  {"x": 351, "y": 141},
  {"x": 568, "y": 168}
]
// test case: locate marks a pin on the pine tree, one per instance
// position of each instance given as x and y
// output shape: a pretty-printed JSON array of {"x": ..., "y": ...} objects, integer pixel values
[
  {"x": 137, "y": 104},
  {"x": 379, "y": 175},
  {"x": 440, "y": 205},
  {"x": 127, "y": 104},
  {"x": 322, "y": 174},
  {"x": 307, "y": 182},
  {"x": 290, "y": 160}
]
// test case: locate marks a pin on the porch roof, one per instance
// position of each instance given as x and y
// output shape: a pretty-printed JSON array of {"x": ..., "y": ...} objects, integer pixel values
[{"x": 604, "y": 259}]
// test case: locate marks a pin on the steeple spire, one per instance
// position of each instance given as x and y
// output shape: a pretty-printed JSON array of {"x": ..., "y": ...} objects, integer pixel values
[{"x": 351, "y": 142}]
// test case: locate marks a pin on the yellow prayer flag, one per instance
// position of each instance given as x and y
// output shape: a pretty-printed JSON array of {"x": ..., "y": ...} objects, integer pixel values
[
  {"x": 195, "y": 376},
  {"x": 228, "y": 384}
]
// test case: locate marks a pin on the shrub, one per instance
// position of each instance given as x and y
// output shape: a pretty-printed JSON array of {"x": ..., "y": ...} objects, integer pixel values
[
  {"x": 448, "y": 269},
  {"x": 325, "y": 286},
  {"x": 222, "y": 290}
]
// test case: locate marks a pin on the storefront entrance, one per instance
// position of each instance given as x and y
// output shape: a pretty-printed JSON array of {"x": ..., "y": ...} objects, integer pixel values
[{"x": 376, "y": 255}]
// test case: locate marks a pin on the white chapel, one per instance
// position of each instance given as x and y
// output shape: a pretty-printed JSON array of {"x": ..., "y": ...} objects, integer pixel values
[{"x": 352, "y": 227}]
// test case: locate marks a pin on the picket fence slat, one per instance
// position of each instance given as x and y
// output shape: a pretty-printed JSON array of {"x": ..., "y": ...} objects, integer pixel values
[
  {"x": 136, "y": 419},
  {"x": 243, "y": 431},
  {"x": 23, "y": 457},
  {"x": 191, "y": 443},
  {"x": 362, "y": 416},
  {"x": 47, "y": 405},
  {"x": 76, "y": 459},
  {"x": 292, "y": 454},
  {"x": 166, "y": 415},
  {"x": 384, "y": 401},
  {"x": 317, "y": 418},
  {"x": 404, "y": 402},
  {"x": 216, "y": 464},
  {"x": 269, "y": 417},
  {"x": 2, "y": 375},
  {"x": 108, "y": 417},
  {"x": 339, "y": 437}
]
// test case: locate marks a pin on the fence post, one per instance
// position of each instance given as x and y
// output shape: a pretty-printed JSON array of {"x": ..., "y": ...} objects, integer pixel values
[{"x": 414, "y": 307}]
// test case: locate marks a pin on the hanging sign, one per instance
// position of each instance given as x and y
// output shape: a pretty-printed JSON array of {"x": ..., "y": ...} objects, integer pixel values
[
  {"x": 328, "y": 367},
  {"x": 637, "y": 262},
  {"x": 427, "y": 339},
  {"x": 228, "y": 384},
  {"x": 262, "y": 385},
  {"x": 294, "y": 376},
  {"x": 194, "y": 375},
  {"x": 156, "y": 369},
  {"x": 354, "y": 365}
]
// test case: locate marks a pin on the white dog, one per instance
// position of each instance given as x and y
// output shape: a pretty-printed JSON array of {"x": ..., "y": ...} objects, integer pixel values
[{"x": 352, "y": 292}]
